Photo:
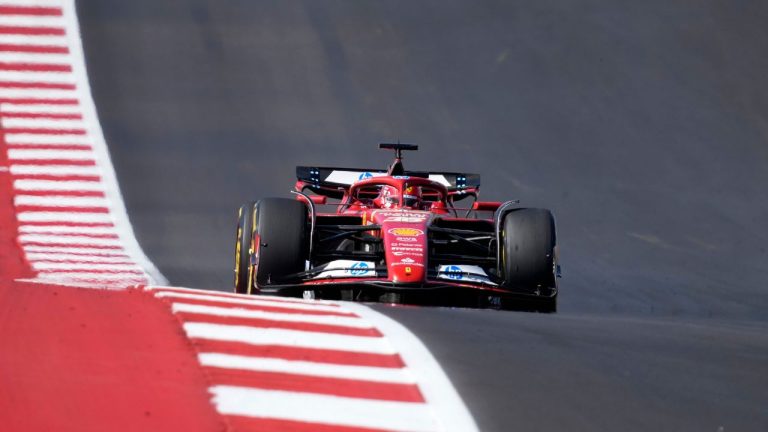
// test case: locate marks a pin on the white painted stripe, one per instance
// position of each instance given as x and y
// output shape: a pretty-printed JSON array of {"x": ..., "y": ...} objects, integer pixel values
[
  {"x": 33, "y": 3},
  {"x": 437, "y": 389},
  {"x": 74, "y": 240},
  {"x": 47, "y": 266},
  {"x": 33, "y": 58},
  {"x": 94, "y": 277},
  {"x": 38, "y": 109},
  {"x": 15, "y": 93},
  {"x": 34, "y": 216},
  {"x": 240, "y": 296},
  {"x": 35, "y": 154},
  {"x": 55, "y": 170},
  {"x": 33, "y": 138},
  {"x": 75, "y": 259},
  {"x": 63, "y": 229},
  {"x": 119, "y": 284},
  {"x": 92, "y": 252},
  {"x": 293, "y": 338},
  {"x": 365, "y": 373},
  {"x": 245, "y": 313},
  {"x": 31, "y": 20},
  {"x": 16, "y": 39},
  {"x": 42, "y": 123},
  {"x": 253, "y": 301},
  {"x": 60, "y": 201},
  {"x": 49, "y": 185},
  {"x": 63, "y": 257},
  {"x": 45, "y": 77},
  {"x": 70, "y": 240},
  {"x": 330, "y": 410}
]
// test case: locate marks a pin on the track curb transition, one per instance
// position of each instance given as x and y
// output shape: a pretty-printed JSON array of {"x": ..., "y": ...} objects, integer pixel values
[
  {"x": 291, "y": 364},
  {"x": 271, "y": 363}
]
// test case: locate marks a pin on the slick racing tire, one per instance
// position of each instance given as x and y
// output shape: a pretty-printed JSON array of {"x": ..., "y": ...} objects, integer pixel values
[
  {"x": 282, "y": 234},
  {"x": 529, "y": 255},
  {"x": 243, "y": 280}
]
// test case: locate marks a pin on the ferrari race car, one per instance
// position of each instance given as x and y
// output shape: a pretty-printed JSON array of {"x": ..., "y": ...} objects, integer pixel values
[{"x": 397, "y": 236}]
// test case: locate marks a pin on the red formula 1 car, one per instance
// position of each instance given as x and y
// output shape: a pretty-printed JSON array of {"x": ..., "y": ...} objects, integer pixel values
[{"x": 397, "y": 236}]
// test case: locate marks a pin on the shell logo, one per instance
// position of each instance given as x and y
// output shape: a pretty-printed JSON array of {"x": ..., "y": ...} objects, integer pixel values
[{"x": 406, "y": 232}]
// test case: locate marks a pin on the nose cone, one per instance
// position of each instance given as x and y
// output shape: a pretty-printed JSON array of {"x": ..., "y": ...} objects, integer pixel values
[{"x": 405, "y": 244}]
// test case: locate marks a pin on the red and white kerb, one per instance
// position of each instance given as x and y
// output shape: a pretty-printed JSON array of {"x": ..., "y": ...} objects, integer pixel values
[
  {"x": 278, "y": 364},
  {"x": 72, "y": 226}
]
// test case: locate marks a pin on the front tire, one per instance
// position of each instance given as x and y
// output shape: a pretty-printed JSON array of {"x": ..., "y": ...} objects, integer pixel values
[
  {"x": 282, "y": 234},
  {"x": 529, "y": 255}
]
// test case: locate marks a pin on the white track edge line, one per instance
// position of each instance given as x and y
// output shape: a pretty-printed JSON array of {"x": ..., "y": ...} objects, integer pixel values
[
  {"x": 435, "y": 385},
  {"x": 109, "y": 178}
]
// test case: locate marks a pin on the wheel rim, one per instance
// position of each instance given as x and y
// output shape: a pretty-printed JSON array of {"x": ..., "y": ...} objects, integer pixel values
[{"x": 237, "y": 256}]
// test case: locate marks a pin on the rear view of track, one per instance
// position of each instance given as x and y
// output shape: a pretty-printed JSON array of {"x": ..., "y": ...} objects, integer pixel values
[{"x": 642, "y": 125}]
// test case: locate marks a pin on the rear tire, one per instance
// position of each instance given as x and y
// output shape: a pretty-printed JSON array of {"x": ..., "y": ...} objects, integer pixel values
[
  {"x": 244, "y": 235},
  {"x": 529, "y": 256},
  {"x": 282, "y": 249}
]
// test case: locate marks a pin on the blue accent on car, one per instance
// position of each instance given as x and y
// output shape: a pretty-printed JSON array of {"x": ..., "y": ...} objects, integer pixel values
[
  {"x": 359, "y": 269},
  {"x": 365, "y": 175},
  {"x": 454, "y": 272}
]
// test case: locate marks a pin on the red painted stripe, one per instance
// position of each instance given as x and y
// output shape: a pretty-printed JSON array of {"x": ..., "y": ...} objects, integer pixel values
[
  {"x": 38, "y": 101},
  {"x": 35, "y": 85},
  {"x": 314, "y": 384},
  {"x": 35, "y": 49},
  {"x": 59, "y": 162},
  {"x": 35, "y": 67},
  {"x": 68, "y": 209},
  {"x": 94, "y": 236},
  {"x": 267, "y": 308},
  {"x": 85, "y": 260},
  {"x": 338, "y": 357},
  {"x": 30, "y": 10},
  {"x": 98, "y": 194},
  {"x": 49, "y": 146},
  {"x": 105, "y": 254},
  {"x": 238, "y": 423},
  {"x": 44, "y": 131},
  {"x": 88, "y": 178},
  {"x": 128, "y": 273},
  {"x": 43, "y": 115},
  {"x": 69, "y": 224},
  {"x": 33, "y": 31},
  {"x": 90, "y": 246},
  {"x": 74, "y": 224},
  {"x": 288, "y": 325},
  {"x": 97, "y": 360}
]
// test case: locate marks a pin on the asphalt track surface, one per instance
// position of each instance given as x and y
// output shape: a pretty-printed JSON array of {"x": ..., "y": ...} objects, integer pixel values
[{"x": 642, "y": 125}]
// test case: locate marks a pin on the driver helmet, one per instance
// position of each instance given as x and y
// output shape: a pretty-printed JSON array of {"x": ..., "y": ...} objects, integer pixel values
[
  {"x": 412, "y": 197},
  {"x": 388, "y": 197}
]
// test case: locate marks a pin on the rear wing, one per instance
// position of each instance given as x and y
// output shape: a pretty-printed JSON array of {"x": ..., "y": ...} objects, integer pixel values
[{"x": 334, "y": 182}]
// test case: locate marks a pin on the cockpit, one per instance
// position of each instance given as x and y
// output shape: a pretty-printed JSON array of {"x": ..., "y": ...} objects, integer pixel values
[{"x": 384, "y": 193}]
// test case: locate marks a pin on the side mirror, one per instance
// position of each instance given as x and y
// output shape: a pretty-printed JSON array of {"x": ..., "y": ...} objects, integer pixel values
[
  {"x": 437, "y": 207},
  {"x": 486, "y": 205},
  {"x": 319, "y": 199},
  {"x": 316, "y": 199}
]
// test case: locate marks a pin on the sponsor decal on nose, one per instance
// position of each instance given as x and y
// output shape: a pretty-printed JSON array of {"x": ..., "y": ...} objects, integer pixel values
[{"x": 406, "y": 232}]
